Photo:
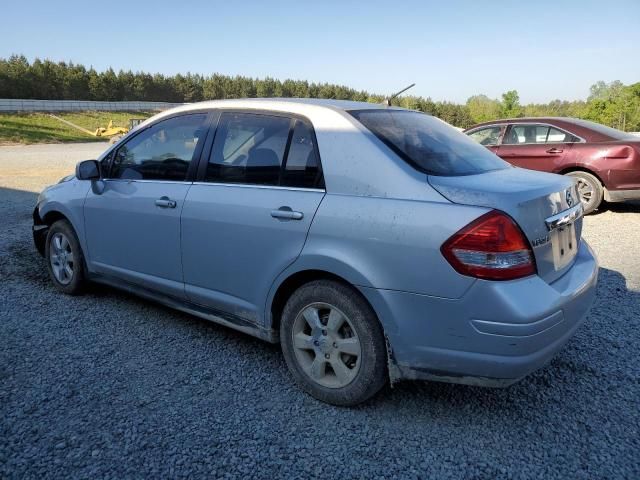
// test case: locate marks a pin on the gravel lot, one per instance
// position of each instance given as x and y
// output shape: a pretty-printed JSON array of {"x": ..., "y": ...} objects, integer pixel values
[{"x": 108, "y": 385}]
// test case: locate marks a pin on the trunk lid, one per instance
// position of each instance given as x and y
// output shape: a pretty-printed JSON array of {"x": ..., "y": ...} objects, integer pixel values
[{"x": 545, "y": 206}]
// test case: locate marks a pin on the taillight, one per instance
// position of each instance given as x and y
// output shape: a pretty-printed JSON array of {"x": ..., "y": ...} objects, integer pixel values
[{"x": 491, "y": 247}]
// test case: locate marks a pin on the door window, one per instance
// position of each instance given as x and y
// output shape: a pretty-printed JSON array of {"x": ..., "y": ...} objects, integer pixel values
[
  {"x": 536, "y": 134},
  {"x": 162, "y": 152},
  {"x": 302, "y": 168},
  {"x": 487, "y": 136},
  {"x": 261, "y": 149}
]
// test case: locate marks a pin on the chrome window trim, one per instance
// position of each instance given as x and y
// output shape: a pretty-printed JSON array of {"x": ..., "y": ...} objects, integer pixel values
[
  {"x": 582, "y": 140},
  {"x": 140, "y": 180},
  {"x": 270, "y": 187}
]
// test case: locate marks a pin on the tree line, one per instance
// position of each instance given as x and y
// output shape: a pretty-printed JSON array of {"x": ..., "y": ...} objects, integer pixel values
[{"x": 613, "y": 104}]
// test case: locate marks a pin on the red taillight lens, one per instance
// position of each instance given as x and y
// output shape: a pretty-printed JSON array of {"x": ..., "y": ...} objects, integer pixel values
[{"x": 491, "y": 247}]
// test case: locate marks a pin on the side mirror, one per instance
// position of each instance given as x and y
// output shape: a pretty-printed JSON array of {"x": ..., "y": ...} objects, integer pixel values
[{"x": 88, "y": 170}]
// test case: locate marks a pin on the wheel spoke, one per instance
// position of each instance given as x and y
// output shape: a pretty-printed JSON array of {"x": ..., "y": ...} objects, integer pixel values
[
  {"x": 70, "y": 257},
  {"x": 318, "y": 368},
  {"x": 57, "y": 243},
  {"x": 68, "y": 270},
  {"x": 335, "y": 320},
  {"x": 350, "y": 346},
  {"x": 64, "y": 243},
  {"x": 302, "y": 341},
  {"x": 343, "y": 373},
  {"x": 312, "y": 318},
  {"x": 55, "y": 259}
]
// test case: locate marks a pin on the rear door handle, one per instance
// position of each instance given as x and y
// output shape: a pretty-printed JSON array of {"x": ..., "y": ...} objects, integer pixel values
[
  {"x": 166, "y": 202},
  {"x": 554, "y": 150},
  {"x": 286, "y": 213}
]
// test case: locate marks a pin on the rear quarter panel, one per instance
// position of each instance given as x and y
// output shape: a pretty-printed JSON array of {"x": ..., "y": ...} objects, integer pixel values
[
  {"x": 388, "y": 243},
  {"x": 616, "y": 164}
]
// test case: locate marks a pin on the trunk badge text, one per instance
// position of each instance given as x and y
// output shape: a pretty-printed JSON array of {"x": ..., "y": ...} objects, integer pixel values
[{"x": 540, "y": 241}]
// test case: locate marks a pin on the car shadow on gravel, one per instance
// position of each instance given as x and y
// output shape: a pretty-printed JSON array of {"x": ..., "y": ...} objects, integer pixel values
[{"x": 619, "y": 207}]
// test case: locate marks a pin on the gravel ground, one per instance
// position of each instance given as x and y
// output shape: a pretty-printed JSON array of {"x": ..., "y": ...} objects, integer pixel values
[{"x": 108, "y": 385}]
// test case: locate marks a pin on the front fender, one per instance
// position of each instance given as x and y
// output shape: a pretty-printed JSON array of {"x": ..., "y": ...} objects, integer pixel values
[{"x": 66, "y": 199}]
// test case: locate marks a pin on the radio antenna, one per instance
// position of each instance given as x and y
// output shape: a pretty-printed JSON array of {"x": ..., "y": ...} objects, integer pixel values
[{"x": 387, "y": 101}]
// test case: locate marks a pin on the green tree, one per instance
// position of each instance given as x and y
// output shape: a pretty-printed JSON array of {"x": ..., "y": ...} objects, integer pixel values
[
  {"x": 482, "y": 108},
  {"x": 511, "y": 104}
]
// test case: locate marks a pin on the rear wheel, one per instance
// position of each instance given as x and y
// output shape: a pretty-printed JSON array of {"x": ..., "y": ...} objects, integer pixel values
[
  {"x": 64, "y": 258},
  {"x": 590, "y": 190},
  {"x": 333, "y": 343}
]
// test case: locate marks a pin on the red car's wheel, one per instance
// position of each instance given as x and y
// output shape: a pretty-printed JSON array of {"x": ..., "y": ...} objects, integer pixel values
[{"x": 590, "y": 190}]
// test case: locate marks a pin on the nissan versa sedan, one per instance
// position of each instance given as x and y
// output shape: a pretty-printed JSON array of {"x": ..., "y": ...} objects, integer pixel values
[
  {"x": 604, "y": 161},
  {"x": 373, "y": 243}
]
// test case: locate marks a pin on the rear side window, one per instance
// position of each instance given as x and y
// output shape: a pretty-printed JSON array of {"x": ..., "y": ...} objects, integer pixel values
[
  {"x": 302, "y": 168},
  {"x": 526, "y": 134},
  {"x": 260, "y": 149},
  {"x": 427, "y": 143},
  {"x": 162, "y": 152}
]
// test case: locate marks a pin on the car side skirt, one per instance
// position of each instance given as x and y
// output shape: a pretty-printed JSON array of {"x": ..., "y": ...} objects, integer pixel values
[
  {"x": 219, "y": 317},
  {"x": 621, "y": 195}
]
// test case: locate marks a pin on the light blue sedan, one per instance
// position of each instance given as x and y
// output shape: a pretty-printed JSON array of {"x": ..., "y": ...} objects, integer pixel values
[{"x": 373, "y": 243}]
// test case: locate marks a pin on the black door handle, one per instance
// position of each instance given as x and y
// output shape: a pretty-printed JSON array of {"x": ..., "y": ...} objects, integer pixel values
[
  {"x": 166, "y": 202},
  {"x": 286, "y": 213}
]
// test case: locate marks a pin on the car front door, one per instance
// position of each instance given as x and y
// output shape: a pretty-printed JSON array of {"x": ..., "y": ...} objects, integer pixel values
[
  {"x": 535, "y": 146},
  {"x": 247, "y": 218},
  {"x": 133, "y": 223},
  {"x": 488, "y": 136}
]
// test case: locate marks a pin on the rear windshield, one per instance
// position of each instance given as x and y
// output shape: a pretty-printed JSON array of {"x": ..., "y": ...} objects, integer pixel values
[
  {"x": 612, "y": 133},
  {"x": 429, "y": 144}
]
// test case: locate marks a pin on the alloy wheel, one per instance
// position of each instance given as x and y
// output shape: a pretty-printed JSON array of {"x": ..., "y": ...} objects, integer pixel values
[
  {"x": 586, "y": 192},
  {"x": 61, "y": 258},
  {"x": 326, "y": 345}
]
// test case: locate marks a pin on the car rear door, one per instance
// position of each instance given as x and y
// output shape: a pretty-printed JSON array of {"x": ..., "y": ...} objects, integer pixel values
[
  {"x": 535, "y": 146},
  {"x": 133, "y": 223},
  {"x": 247, "y": 217}
]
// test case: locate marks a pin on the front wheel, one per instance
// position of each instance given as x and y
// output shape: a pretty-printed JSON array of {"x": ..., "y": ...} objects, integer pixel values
[
  {"x": 64, "y": 258},
  {"x": 333, "y": 343},
  {"x": 590, "y": 190}
]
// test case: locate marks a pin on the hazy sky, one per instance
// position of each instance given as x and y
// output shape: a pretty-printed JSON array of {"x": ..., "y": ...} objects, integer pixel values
[{"x": 451, "y": 49}]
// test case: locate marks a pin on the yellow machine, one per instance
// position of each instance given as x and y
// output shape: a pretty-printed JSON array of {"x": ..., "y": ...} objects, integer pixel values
[{"x": 109, "y": 131}]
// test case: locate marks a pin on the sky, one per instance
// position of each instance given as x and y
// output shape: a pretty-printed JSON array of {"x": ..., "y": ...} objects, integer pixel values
[{"x": 451, "y": 49}]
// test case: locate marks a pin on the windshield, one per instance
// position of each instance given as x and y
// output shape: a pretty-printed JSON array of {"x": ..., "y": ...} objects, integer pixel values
[
  {"x": 429, "y": 144},
  {"x": 606, "y": 131}
]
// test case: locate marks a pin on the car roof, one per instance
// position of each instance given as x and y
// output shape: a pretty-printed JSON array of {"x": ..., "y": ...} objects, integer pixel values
[{"x": 281, "y": 104}]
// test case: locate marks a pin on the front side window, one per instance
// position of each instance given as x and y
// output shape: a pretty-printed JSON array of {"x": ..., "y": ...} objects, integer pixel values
[
  {"x": 536, "y": 134},
  {"x": 487, "y": 136},
  {"x": 427, "y": 143},
  {"x": 259, "y": 149},
  {"x": 162, "y": 152}
]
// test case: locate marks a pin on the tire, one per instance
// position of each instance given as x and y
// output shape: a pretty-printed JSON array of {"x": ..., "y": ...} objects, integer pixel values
[
  {"x": 590, "y": 190},
  {"x": 333, "y": 343},
  {"x": 65, "y": 261}
]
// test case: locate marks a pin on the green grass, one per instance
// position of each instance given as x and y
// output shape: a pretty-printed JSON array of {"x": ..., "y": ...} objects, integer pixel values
[{"x": 28, "y": 128}]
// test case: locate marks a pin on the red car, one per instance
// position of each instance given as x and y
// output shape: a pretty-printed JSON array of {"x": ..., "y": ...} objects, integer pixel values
[{"x": 604, "y": 161}]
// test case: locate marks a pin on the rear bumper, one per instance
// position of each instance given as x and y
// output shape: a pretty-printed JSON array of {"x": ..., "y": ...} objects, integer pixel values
[
  {"x": 497, "y": 333},
  {"x": 621, "y": 195}
]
